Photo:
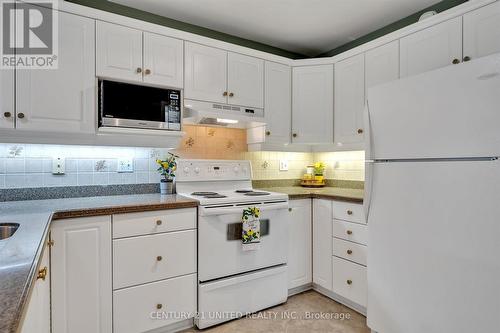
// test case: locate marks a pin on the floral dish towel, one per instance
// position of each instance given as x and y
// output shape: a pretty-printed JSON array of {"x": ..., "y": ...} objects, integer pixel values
[{"x": 251, "y": 229}]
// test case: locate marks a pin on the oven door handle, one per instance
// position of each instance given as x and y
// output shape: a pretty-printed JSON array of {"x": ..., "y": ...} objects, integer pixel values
[{"x": 210, "y": 211}]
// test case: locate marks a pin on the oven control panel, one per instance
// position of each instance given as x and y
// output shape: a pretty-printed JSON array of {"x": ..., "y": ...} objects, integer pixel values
[{"x": 210, "y": 170}]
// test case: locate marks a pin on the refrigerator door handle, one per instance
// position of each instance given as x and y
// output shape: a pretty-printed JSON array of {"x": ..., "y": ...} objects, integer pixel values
[
  {"x": 367, "y": 200},
  {"x": 368, "y": 132}
]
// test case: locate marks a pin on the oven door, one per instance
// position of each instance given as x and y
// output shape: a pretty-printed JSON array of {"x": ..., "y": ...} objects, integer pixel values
[{"x": 220, "y": 251}]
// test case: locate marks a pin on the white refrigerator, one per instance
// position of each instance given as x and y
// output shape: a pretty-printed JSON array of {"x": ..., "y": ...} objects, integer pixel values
[{"x": 432, "y": 201}]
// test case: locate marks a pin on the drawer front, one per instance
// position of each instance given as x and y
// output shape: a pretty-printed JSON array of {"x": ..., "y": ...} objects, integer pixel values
[
  {"x": 350, "y": 251},
  {"x": 145, "y": 223},
  {"x": 145, "y": 259},
  {"x": 349, "y": 281},
  {"x": 146, "y": 307},
  {"x": 348, "y": 212},
  {"x": 353, "y": 232}
]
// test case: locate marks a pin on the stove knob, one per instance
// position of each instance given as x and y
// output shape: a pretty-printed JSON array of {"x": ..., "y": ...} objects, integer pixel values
[
  {"x": 186, "y": 170},
  {"x": 197, "y": 170},
  {"x": 236, "y": 169}
]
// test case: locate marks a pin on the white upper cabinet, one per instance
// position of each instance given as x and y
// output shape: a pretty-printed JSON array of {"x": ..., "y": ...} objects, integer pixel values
[
  {"x": 382, "y": 65},
  {"x": 81, "y": 278},
  {"x": 63, "y": 99},
  {"x": 299, "y": 244},
  {"x": 245, "y": 80},
  {"x": 278, "y": 103},
  {"x": 431, "y": 48},
  {"x": 163, "y": 60},
  {"x": 7, "y": 110},
  {"x": 205, "y": 73},
  {"x": 119, "y": 52},
  {"x": 312, "y": 104},
  {"x": 482, "y": 32},
  {"x": 349, "y": 99}
]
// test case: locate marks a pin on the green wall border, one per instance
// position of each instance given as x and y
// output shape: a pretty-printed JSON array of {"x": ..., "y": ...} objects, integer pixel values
[
  {"x": 439, "y": 7},
  {"x": 171, "y": 23}
]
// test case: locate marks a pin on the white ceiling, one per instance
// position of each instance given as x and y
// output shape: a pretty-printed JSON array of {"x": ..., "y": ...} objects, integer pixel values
[{"x": 308, "y": 27}]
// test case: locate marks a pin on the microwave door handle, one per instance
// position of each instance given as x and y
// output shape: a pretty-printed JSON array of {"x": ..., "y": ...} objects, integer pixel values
[{"x": 208, "y": 211}]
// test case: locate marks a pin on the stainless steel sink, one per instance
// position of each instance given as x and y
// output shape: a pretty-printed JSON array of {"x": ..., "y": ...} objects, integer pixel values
[{"x": 8, "y": 229}]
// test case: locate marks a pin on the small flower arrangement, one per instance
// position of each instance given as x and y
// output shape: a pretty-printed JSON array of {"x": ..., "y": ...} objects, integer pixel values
[
  {"x": 167, "y": 167},
  {"x": 319, "y": 168}
]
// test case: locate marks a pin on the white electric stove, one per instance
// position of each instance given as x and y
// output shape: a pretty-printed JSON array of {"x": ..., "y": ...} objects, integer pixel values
[{"x": 233, "y": 282}]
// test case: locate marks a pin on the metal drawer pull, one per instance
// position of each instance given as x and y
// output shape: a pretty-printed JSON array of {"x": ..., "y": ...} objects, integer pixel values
[
  {"x": 349, "y": 232},
  {"x": 7, "y": 114},
  {"x": 349, "y": 212},
  {"x": 147, "y": 71},
  {"x": 42, "y": 274},
  {"x": 159, "y": 306},
  {"x": 349, "y": 251},
  {"x": 159, "y": 258},
  {"x": 159, "y": 222},
  {"x": 349, "y": 282},
  {"x": 138, "y": 70}
]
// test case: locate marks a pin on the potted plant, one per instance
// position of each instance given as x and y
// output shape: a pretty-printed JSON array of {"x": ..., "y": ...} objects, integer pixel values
[
  {"x": 167, "y": 169},
  {"x": 319, "y": 170}
]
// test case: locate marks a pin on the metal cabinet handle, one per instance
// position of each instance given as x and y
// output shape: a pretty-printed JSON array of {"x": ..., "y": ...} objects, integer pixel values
[
  {"x": 159, "y": 258},
  {"x": 159, "y": 222},
  {"x": 268, "y": 133},
  {"x": 455, "y": 61},
  {"x": 7, "y": 114},
  {"x": 349, "y": 282},
  {"x": 224, "y": 93},
  {"x": 467, "y": 58},
  {"x": 231, "y": 95},
  {"x": 349, "y": 251},
  {"x": 289, "y": 209},
  {"x": 349, "y": 232},
  {"x": 42, "y": 274},
  {"x": 349, "y": 212},
  {"x": 360, "y": 131},
  {"x": 138, "y": 70},
  {"x": 294, "y": 135},
  {"x": 159, "y": 306},
  {"x": 147, "y": 71},
  {"x": 20, "y": 115}
]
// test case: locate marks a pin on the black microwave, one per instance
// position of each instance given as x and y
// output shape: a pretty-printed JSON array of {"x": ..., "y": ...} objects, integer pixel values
[{"x": 134, "y": 106}]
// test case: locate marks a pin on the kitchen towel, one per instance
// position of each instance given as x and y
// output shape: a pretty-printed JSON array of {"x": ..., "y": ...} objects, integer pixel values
[{"x": 250, "y": 231}]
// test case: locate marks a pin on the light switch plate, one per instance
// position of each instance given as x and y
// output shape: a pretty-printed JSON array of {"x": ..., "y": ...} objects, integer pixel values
[
  {"x": 58, "y": 166},
  {"x": 125, "y": 165},
  {"x": 283, "y": 165}
]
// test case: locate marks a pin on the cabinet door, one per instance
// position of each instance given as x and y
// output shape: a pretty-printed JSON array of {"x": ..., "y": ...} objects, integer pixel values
[
  {"x": 245, "y": 80},
  {"x": 482, "y": 31},
  {"x": 163, "y": 60},
  {"x": 205, "y": 73},
  {"x": 322, "y": 243},
  {"x": 63, "y": 99},
  {"x": 299, "y": 244},
  {"x": 37, "y": 316},
  {"x": 349, "y": 100},
  {"x": 119, "y": 52},
  {"x": 7, "y": 110},
  {"x": 81, "y": 275},
  {"x": 432, "y": 48},
  {"x": 382, "y": 65},
  {"x": 278, "y": 103},
  {"x": 312, "y": 104}
]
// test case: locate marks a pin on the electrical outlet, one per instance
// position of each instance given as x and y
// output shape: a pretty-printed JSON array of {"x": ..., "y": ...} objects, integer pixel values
[
  {"x": 125, "y": 165},
  {"x": 283, "y": 165},
  {"x": 58, "y": 166}
]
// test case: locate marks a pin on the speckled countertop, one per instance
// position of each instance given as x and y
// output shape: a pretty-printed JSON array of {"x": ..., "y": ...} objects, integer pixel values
[
  {"x": 20, "y": 254},
  {"x": 333, "y": 193}
]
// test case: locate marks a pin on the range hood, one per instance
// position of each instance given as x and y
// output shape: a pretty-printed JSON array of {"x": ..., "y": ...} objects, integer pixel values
[{"x": 223, "y": 115}]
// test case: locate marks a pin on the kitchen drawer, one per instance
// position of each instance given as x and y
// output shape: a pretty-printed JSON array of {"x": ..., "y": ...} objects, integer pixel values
[
  {"x": 146, "y": 307},
  {"x": 349, "y": 281},
  {"x": 348, "y": 212},
  {"x": 350, "y": 251},
  {"x": 144, "y": 223},
  {"x": 353, "y": 232},
  {"x": 150, "y": 258}
]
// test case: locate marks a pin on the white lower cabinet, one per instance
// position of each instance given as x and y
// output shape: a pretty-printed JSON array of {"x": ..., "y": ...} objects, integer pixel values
[
  {"x": 322, "y": 243},
  {"x": 81, "y": 275},
  {"x": 154, "y": 305},
  {"x": 349, "y": 281},
  {"x": 37, "y": 315},
  {"x": 299, "y": 244}
]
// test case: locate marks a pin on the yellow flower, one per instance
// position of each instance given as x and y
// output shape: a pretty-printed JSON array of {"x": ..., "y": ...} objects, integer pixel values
[{"x": 250, "y": 232}]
